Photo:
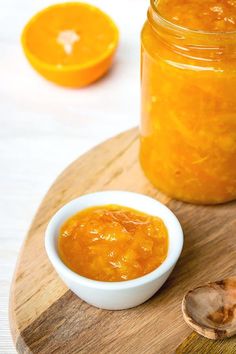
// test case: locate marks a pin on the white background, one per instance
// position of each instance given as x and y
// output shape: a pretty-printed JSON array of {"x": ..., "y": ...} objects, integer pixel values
[{"x": 44, "y": 127}]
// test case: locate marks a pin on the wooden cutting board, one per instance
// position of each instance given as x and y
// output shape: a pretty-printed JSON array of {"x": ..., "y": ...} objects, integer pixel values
[{"x": 47, "y": 318}]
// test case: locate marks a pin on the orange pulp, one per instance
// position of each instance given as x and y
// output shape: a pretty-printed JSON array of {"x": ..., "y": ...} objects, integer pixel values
[{"x": 71, "y": 44}]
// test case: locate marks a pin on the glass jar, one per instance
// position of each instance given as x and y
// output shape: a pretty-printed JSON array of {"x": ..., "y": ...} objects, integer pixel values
[{"x": 188, "y": 125}]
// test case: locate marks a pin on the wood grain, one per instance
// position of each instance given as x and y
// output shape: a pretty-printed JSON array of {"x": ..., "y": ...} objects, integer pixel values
[
  {"x": 200, "y": 345},
  {"x": 46, "y": 317}
]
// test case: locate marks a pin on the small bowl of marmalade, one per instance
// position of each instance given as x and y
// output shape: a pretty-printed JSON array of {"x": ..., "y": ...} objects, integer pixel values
[{"x": 114, "y": 249}]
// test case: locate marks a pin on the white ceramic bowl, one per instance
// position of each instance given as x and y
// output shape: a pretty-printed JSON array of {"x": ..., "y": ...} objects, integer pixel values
[{"x": 123, "y": 294}]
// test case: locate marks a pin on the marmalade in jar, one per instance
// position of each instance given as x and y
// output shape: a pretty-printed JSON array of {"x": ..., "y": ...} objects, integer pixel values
[
  {"x": 188, "y": 74},
  {"x": 113, "y": 243}
]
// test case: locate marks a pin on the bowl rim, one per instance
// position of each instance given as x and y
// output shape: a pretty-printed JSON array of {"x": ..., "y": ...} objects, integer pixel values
[{"x": 174, "y": 247}]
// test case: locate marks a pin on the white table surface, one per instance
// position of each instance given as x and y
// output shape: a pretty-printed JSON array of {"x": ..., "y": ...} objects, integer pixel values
[{"x": 44, "y": 127}]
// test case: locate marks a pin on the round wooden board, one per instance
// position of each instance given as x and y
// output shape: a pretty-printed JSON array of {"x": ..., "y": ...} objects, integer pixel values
[{"x": 46, "y": 317}]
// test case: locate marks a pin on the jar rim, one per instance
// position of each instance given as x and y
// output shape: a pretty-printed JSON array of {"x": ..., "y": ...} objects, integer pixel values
[{"x": 158, "y": 18}]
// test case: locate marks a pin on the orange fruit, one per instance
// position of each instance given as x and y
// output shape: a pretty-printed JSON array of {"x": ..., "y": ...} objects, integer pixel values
[{"x": 71, "y": 44}]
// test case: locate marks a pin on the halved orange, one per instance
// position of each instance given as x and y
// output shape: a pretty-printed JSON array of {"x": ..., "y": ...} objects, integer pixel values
[{"x": 71, "y": 44}]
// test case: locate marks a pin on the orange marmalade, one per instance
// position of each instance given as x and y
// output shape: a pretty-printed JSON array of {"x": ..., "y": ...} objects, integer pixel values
[
  {"x": 113, "y": 243},
  {"x": 188, "y": 126}
]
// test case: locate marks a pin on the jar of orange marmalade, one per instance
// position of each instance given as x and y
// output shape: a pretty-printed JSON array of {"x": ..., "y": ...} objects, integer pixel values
[{"x": 188, "y": 74}]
